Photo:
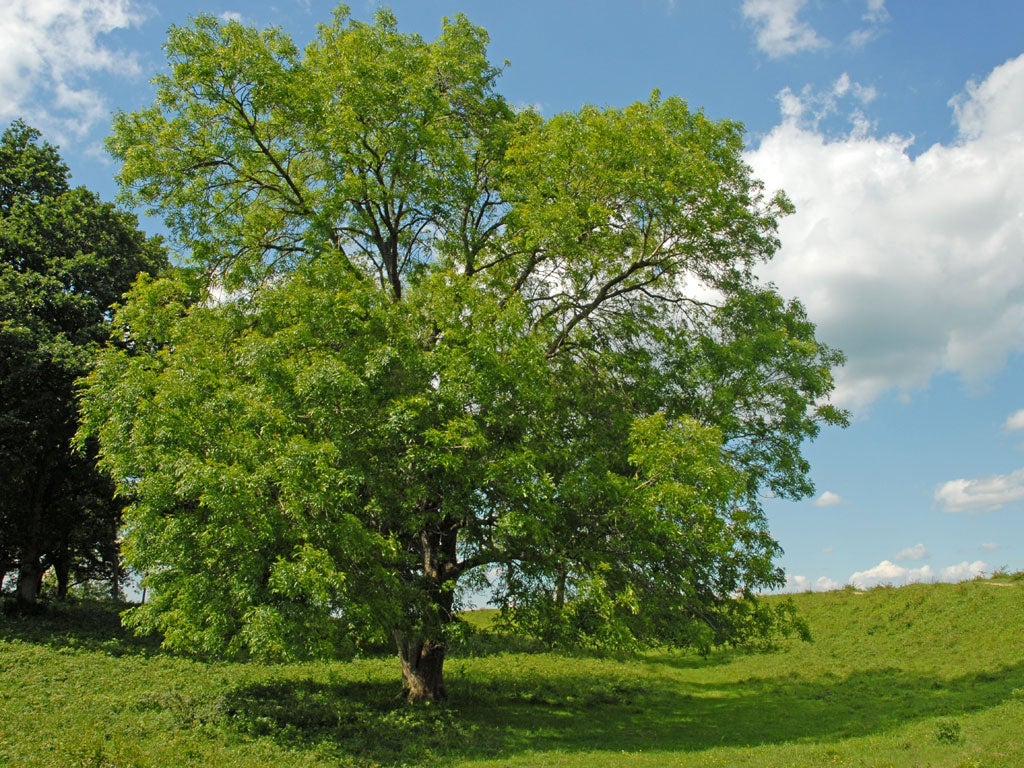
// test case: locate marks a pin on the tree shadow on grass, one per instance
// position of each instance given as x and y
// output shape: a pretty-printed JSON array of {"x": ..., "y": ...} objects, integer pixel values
[
  {"x": 492, "y": 717},
  {"x": 574, "y": 705},
  {"x": 85, "y": 624}
]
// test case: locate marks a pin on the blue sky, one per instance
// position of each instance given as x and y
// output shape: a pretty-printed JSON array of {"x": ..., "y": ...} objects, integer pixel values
[{"x": 897, "y": 128}]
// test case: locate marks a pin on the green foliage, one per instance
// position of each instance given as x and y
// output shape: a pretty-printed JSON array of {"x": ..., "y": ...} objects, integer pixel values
[
  {"x": 949, "y": 731},
  {"x": 65, "y": 259},
  {"x": 30, "y": 171},
  {"x": 426, "y": 342}
]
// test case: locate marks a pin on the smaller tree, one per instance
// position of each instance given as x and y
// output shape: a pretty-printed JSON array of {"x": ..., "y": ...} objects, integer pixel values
[{"x": 65, "y": 259}]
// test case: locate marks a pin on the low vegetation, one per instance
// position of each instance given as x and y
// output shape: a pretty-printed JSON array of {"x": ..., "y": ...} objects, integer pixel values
[{"x": 925, "y": 675}]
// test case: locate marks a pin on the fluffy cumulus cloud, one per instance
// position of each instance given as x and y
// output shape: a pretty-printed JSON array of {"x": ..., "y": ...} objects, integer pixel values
[
  {"x": 779, "y": 29},
  {"x": 911, "y": 265},
  {"x": 49, "y": 50},
  {"x": 981, "y": 494},
  {"x": 889, "y": 573},
  {"x": 964, "y": 571}
]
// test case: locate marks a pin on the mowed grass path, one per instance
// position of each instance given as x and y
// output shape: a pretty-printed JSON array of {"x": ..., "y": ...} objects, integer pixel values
[{"x": 926, "y": 675}]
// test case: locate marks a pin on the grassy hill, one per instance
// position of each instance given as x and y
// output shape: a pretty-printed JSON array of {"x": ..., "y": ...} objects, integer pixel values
[{"x": 925, "y": 675}]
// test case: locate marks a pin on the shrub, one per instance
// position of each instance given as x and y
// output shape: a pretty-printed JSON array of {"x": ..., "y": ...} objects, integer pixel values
[{"x": 949, "y": 732}]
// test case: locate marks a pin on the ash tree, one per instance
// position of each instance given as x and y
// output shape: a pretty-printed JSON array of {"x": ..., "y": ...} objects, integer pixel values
[
  {"x": 426, "y": 342},
  {"x": 65, "y": 258}
]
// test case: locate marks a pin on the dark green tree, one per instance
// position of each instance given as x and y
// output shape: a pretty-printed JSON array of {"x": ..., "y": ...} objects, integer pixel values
[
  {"x": 428, "y": 343},
  {"x": 65, "y": 258}
]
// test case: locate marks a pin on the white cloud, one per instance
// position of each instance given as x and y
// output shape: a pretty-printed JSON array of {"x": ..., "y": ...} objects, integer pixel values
[
  {"x": 876, "y": 12},
  {"x": 231, "y": 16},
  {"x": 911, "y": 265},
  {"x": 990, "y": 546},
  {"x": 916, "y": 552},
  {"x": 876, "y": 15},
  {"x": 981, "y": 494},
  {"x": 828, "y": 499},
  {"x": 779, "y": 30},
  {"x": 48, "y": 51},
  {"x": 824, "y": 584},
  {"x": 1015, "y": 421},
  {"x": 861, "y": 37},
  {"x": 964, "y": 571},
  {"x": 804, "y": 584},
  {"x": 810, "y": 108},
  {"x": 844, "y": 86},
  {"x": 886, "y": 573}
]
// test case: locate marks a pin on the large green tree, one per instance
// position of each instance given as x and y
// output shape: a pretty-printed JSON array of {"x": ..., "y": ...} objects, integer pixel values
[
  {"x": 65, "y": 258},
  {"x": 429, "y": 343}
]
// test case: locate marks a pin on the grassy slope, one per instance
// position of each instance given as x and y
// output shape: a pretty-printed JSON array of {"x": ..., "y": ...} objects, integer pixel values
[{"x": 927, "y": 675}]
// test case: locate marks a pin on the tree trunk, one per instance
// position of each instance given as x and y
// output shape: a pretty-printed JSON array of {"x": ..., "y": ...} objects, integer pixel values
[
  {"x": 560, "y": 588},
  {"x": 30, "y": 581},
  {"x": 115, "y": 579},
  {"x": 30, "y": 558},
  {"x": 60, "y": 559},
  {"x": 62, "y": 569},
  {"x": 114, "y": 555},
  {"x": 422, "y": 650},
  {"x": 422, "y": 668}
]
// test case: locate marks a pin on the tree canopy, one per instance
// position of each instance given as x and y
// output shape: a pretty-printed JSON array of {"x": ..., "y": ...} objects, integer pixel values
[
  {"x": 427, "y": 343},
  {"x": 65, "y": 258}
]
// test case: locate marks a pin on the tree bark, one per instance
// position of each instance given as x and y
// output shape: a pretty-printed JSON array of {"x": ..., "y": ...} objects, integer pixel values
[
  {"x": 62, "y": 569},
  {"x": 422, "y": 668},
  {"x": 30, "y": 580},
  {"x": 115, "y": 578},
  {"x": 560, "y": 589},
  {"x": 30, "y": 559},
  {"x": 422, "y": 649}
]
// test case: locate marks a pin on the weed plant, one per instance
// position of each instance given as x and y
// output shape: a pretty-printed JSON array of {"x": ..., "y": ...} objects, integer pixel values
[{"x": 926, "y": 675}]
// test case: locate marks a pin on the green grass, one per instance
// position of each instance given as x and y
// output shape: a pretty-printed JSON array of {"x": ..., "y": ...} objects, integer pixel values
[{"x": 926, "y": 675}]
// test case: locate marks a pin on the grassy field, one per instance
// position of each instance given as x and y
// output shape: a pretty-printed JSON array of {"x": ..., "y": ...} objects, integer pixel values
[{"x": 925, "y": 675}]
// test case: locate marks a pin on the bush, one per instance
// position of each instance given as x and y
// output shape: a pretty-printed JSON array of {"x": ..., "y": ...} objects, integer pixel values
[{"x": 948, "y": 732}]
